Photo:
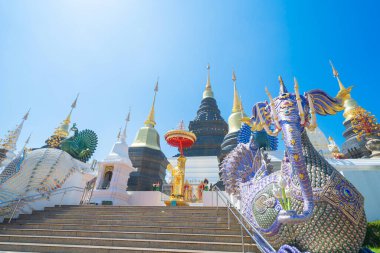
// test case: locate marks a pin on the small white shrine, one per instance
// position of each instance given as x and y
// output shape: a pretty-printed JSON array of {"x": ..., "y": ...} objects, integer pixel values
[{"x": 113, "y": 174}]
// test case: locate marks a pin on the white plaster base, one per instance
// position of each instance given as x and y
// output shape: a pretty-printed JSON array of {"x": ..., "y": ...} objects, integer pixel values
[
  {"x": 146, "y": 198},
  {"x": 117, "y": 198}
]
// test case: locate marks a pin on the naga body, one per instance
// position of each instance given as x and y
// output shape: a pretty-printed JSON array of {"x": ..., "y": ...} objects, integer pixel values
[{"x": 308, "y": 203}]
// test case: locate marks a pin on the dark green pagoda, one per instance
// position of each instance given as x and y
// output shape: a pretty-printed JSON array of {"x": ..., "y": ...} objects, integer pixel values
[
  {"x": 146, "y": 155},
  {"x": 209, "y": 126}
]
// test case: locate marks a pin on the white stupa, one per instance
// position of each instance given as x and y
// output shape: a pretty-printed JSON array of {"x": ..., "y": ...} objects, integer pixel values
[
  {"x": 319, "y": 141},
  {"x": 113, "y": 174}
]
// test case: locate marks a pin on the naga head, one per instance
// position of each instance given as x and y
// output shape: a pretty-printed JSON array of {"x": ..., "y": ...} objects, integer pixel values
[
  {"x": 292, "y": 108},
  {"x": 291, "y": 113}
]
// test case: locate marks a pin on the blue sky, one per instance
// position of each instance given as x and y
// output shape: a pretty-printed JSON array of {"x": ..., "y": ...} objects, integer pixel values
[{"x": 111, "y": 52}]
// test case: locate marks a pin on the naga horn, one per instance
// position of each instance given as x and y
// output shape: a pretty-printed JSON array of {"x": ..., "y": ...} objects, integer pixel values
[
  {"x": 313, "y": 121},
  {"x": 274, "y": 112},
  {"x": 299, "y": 103},
  {"x": 264, "y": 125}
]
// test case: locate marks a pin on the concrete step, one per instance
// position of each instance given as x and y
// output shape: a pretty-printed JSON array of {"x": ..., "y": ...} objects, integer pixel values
[
  {"x": 98, "y": 241},
  {"x": 132, "y": 228},
  {"x": 137, "y": 213},
  {"x": 129, "y": 235},
  {"x": 59, "y": 248},
  {"x": 164, "y": 223},
  {"x": 99, "y": 229},
  {"x": 137, "y": 208},
  {"x": 122, "y": 217}
]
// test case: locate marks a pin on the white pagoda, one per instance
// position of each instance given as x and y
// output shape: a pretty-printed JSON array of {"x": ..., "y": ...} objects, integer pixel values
[{"x": 113, "y": 174}]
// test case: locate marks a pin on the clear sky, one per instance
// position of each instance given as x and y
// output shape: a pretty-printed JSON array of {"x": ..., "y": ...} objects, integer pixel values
[{"x": 111, "y": 52}]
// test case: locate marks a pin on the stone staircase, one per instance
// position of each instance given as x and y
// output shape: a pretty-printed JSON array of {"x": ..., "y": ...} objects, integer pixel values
[{"x": 101, "y": 229}]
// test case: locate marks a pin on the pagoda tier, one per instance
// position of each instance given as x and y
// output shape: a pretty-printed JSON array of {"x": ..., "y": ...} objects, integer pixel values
[
  {"x": 353, "y": 147},
  {"x": 210, "y": 129},
  {"x": 151, "y": 168}
]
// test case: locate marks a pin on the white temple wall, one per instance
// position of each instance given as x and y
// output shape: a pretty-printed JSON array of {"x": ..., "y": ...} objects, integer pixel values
[{"x": 368, "y": 184}]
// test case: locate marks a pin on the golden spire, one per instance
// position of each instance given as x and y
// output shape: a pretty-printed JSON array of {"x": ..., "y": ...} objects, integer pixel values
[
  {"x": 236, "y": 107},
  {"x": 150, "y": 120},
  {"x": 234, "y": 120},
  {"x": 9, "y": 143},
  {"x": 63, "y": 129},
  {"x": 345, "y": 95},
  {"x": 208, "y": 91}
]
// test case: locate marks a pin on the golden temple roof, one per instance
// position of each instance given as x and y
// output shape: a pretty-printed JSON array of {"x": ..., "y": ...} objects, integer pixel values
[{"x": 147, "y": 137}]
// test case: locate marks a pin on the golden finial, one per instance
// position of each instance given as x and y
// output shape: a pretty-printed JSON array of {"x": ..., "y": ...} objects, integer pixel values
[
  {"x": 73, "y": 105},
  {"x": 63, "y": 129},
  {"x": 236, "y": 107},
  {"x": 208, "y": 84},
  {"x": 344, "y": 94},
  {"x": 150, "y": 120},
  {"x": 336, "y": 75},
  {"x": 208, "y": 91}
]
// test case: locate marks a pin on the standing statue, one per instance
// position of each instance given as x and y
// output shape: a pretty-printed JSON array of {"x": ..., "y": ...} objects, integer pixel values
[{"x": 307, "y": 204}]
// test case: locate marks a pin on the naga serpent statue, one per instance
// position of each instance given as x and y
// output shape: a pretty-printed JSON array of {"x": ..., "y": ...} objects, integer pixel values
[{"x": 307, "y": 204}]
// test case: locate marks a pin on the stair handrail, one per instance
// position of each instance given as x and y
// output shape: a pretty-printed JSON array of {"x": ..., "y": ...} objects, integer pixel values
[
  {"x": 262, "y": 244},
  {"x": 34, "y": 197},
  {"x": 42, "y": 195}
]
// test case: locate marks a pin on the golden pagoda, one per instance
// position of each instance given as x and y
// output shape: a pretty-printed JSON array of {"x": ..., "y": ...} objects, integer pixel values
[
  {"x": 62, "y": 131},
  {"x": 147, "y": 135}
]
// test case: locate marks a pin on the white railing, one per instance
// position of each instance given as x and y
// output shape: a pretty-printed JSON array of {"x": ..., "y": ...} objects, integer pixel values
[
  {"x": 245, "y": 224},
  {"x": 11, "y": 206}
]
